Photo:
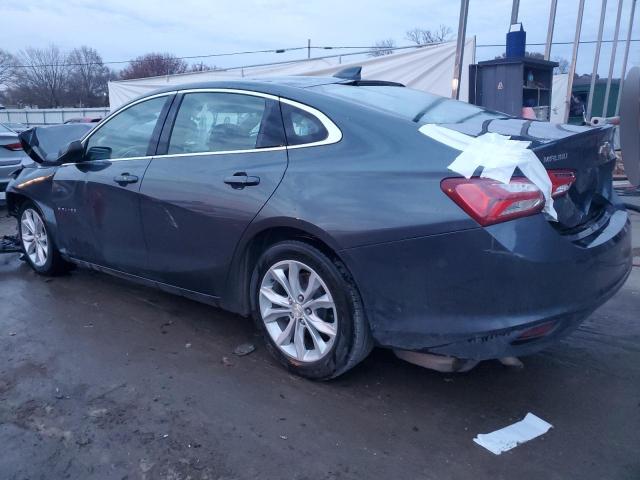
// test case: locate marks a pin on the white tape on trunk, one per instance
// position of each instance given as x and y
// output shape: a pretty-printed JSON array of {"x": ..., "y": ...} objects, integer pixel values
[
  {"x": 509, "y": 437},
  {"x": 497, "y": 155}
]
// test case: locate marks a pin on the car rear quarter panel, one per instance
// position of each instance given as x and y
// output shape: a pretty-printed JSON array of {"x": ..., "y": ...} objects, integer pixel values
[{"x": 380, "y": 183}]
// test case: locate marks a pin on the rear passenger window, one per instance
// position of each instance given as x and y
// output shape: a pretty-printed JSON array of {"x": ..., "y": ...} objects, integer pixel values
[
  {"x": 219, "y": 122},
  {"x": 302, "y": 127}
]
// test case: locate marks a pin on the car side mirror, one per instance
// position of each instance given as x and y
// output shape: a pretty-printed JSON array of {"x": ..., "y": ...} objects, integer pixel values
[{"x": 72, "y": 153}]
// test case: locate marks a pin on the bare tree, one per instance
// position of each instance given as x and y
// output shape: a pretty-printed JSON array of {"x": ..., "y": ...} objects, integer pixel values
[
  {"x": 563, "y": 65},
  {"x": 88, "y": 77},
  {"x": 7, "y": 64},
  {"x": 41, "y": 76},
  {"x": 420, "y": 36},
  {"x": 534, "y": 55},
  {"x": 154, "y": 65},
  {"x": 201, "y": 67},
  {"x": 383, "y": 47}
]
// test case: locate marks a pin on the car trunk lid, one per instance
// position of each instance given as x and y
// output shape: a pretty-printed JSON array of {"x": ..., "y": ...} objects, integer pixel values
[{"x": 586, "y": 151}]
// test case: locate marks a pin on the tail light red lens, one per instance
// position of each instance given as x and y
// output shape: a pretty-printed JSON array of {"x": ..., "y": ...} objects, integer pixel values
[
  {"x": 536, "y": 332},
  {"x": 489, "y": 201},
  {"x": 561, "y": 181},
  {"x": 14, "y": 147}
]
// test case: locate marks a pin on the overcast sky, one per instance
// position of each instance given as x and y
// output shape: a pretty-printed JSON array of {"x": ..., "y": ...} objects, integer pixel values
[{"x": 123, "y": 29}]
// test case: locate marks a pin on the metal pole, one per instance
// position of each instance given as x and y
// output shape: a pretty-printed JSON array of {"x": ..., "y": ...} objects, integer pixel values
[
  {"x": 574, "y": 57},
  {"x": 309, "y": 48},
  {"x": 552, "y": 23},
  {"x": 515, "y": 6},
  {"x": 626, "y": 55},
  {"x": 612, "y": 61},
  {"x": 596, "y": 60},
  {"x": 462, "y": 32}
]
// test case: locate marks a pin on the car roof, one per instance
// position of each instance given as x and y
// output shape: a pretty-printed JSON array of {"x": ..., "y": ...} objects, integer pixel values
[
  {"x": 271, "y": 85},
  {"x": 298, "y": 87}
]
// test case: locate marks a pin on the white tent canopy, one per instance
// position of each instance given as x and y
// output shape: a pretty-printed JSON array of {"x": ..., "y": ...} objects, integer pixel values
[
  {"x": 559, "y": 98},
  {"x": 428, "y": 68}
]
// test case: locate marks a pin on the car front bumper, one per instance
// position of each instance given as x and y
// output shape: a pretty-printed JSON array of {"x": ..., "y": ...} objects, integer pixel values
[{"x": 473, "y": 293}]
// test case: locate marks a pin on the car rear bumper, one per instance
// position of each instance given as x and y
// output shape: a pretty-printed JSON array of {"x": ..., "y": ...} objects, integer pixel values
[{"x": 472, "y": 293}]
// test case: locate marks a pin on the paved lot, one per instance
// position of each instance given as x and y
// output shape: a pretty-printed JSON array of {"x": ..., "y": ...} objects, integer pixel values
[{"x": 103, "y": 379}]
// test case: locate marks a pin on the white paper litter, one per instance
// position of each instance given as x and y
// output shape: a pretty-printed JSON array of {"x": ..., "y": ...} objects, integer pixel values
[
  {"x": 498, "y": 156},
  {"x": 509, "y": 437}
]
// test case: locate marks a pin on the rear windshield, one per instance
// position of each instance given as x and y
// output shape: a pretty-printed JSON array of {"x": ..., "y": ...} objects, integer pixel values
[
  {"x": 4, "y": 129},
  {"x": 415, "y": 105}
]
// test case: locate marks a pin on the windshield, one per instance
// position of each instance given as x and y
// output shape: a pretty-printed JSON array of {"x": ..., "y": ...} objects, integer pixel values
[{"x": 415, "y": 105}]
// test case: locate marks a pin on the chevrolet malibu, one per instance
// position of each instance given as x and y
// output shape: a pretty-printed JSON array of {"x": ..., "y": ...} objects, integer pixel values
[{"x": 317, "y": 206}]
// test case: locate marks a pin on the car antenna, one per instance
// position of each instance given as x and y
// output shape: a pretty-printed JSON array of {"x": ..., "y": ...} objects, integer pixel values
[{"x": 350, "y": 73}]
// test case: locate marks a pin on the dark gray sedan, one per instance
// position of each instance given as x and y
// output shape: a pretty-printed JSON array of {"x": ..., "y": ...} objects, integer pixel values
[{"x": 319, "y": 207}]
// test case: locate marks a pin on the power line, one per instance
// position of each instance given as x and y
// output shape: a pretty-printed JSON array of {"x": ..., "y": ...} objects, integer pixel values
[
  {"x": 191, "y": 57},
  {"x": 367, "y": 49}
]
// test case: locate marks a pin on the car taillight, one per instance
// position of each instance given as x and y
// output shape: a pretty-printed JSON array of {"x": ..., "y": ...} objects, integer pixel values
[
  {"x": 535, "y": 333},
  {"x": 490, "y": 201},
  {"x": 561, "y": 181},
  {"x": 14, "y": 147}
]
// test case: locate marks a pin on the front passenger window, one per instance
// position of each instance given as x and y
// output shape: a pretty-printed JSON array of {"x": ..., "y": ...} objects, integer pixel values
[{"x": 128, "y": 133}]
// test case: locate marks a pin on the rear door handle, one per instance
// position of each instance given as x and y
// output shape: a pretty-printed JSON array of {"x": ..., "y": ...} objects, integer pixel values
[
  {"x": 241, "y": 180},
  {"x": 125, "y": 179}
]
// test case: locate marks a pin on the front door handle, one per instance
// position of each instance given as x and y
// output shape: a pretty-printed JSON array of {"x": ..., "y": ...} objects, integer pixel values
[
  {"x": 125, "y": 179},
  {"x": 241, "y": 180}
]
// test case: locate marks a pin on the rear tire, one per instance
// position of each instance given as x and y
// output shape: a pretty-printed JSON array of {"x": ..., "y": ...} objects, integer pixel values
[
  {"x": 39, "y": 249},
  {"x": 319, "y": 337}
]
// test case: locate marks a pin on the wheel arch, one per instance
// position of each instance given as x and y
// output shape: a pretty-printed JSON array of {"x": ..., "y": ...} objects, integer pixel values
[
  {"x": 255, "y": 242},
  {"x": 16, "y": 200}
]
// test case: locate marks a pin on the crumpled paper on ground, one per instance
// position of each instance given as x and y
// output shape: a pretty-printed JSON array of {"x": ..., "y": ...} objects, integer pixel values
[
  {"x": 498, "y": 155},
  {"x": 509, "y": 437}
]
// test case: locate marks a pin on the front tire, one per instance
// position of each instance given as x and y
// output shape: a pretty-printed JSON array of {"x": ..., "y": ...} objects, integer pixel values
[
  {"x": 309, "y": 310},
  {"x": 37, "y": 244}
]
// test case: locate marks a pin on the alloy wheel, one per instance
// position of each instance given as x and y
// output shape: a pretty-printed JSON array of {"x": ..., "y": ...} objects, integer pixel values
[
  {"x": 298, "y": 311},
  {"x": 35, "y": 240}
]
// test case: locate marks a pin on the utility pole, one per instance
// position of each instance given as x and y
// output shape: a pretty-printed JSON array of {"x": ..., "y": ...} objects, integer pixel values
[
  {"x": 462, "y": 32},
  {"x": 574, "y": 57},
  {"x": 515, "y": 7},
  {"x": 612, "y": 61},
  {"x": 626, "y": 55},
  {"x": 596, "y": 60},
  {"x": 308, "y": 48},
  {"x": 550, "y": 28}
]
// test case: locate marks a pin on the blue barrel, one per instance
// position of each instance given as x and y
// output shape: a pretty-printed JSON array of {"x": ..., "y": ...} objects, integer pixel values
[{"x": 516, "y": 42}]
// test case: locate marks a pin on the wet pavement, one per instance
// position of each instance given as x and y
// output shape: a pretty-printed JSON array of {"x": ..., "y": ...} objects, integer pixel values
[{"x": 103, "y": 379}]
